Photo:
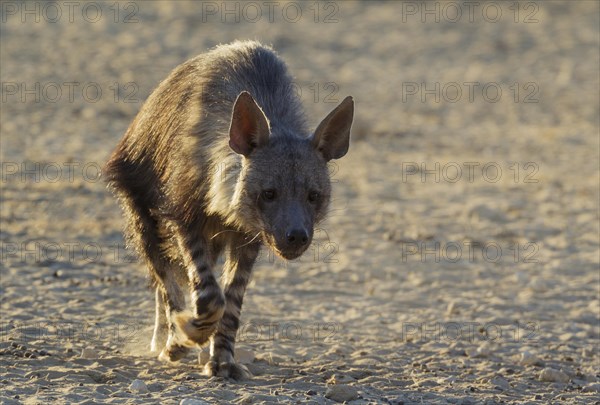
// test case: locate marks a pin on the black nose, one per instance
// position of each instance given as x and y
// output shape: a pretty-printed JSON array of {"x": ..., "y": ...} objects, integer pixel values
[{"x": 297, "y": 237}]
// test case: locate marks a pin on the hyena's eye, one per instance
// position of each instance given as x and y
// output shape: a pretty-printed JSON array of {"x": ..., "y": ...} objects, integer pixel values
[
  {"x": 313, "y": 197},
  {"x": 268, "y": 195}
]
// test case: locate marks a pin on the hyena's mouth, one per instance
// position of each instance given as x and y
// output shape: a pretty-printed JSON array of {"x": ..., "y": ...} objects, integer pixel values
[
  {"x": 289, "y": 255},
  {"x": 286, "y": 254}
]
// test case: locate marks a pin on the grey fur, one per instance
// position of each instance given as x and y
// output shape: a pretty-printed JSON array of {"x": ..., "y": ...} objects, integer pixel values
[{"x": 219, "y": 159}]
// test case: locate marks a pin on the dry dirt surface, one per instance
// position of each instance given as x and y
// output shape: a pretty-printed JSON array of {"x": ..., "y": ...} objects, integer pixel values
[{"x": 460, "y": 262}]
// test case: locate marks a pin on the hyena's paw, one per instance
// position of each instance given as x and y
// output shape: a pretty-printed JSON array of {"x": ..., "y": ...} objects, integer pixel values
[
  {"x": 198, "y": 330},
  {"x": 232, "y": 370},
  {"x": 173, "y": 352}
]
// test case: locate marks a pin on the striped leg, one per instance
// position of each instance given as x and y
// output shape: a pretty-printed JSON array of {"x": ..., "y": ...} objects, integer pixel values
[
  {"x": 207, "y": 298},
  {"x": 238, "y": 268}
]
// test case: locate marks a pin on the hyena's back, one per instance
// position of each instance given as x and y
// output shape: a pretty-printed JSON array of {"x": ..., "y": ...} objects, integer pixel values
[{"x": 174, "y": 163}]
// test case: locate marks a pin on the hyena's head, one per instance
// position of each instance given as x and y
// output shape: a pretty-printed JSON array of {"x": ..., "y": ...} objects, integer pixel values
[{"x": 284, "y": 187}]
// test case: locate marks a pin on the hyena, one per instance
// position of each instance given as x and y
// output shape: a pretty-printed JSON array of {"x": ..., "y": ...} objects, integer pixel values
[{"x": 219, "y": 160}]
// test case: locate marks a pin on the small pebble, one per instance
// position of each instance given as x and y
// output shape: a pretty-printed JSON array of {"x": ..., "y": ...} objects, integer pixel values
[
  {"x": 529, "y": 359},
  {"x": 138, "y": 386},
  {"x": 500, "y": 382},
  {"x": 190, "y": 401},
  {"x": 551, "y": 375},
  {"x": 565, "y": 337},
  {"x": 594, "y": 387},
  {"x": 341, "y": 393},
  {"x": 89, "y": 354}
]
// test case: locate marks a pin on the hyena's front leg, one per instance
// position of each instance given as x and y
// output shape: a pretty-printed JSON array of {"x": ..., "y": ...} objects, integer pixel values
[
  {"x": 207, "y": 297},
  {"x": 238, "y": 268}
]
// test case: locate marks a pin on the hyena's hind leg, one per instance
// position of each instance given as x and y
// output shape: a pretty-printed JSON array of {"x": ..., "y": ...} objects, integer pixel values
[
  {"x": 173, "y": 298},
  {"x": 170, "y": 302},
  {"x": 236, "y": 275},
  {"x": 134, "y": 183},
  {"x": 142, "y": 232},
  {"x": 161, "y": 328}
]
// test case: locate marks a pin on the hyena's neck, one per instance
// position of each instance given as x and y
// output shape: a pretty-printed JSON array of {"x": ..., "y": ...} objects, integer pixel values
[{"x": 224, "y": 175}]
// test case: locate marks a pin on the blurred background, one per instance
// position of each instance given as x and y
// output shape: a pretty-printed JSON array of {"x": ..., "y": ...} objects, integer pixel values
[{"x": 470, "y": 193}]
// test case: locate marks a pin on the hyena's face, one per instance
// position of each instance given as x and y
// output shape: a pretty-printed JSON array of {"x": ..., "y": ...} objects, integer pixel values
[
  {"x": 286, "y": 191},
  {"x": 284, "y": 187}
]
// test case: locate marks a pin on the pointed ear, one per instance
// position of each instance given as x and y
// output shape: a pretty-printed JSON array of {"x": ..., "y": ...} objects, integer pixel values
[
  {"x": 332, "y": 136},
  {"x": 249, "y": 126}
]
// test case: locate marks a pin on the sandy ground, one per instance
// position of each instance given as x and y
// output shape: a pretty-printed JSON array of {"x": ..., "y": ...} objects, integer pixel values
[{"x": 460, "y": 261}]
